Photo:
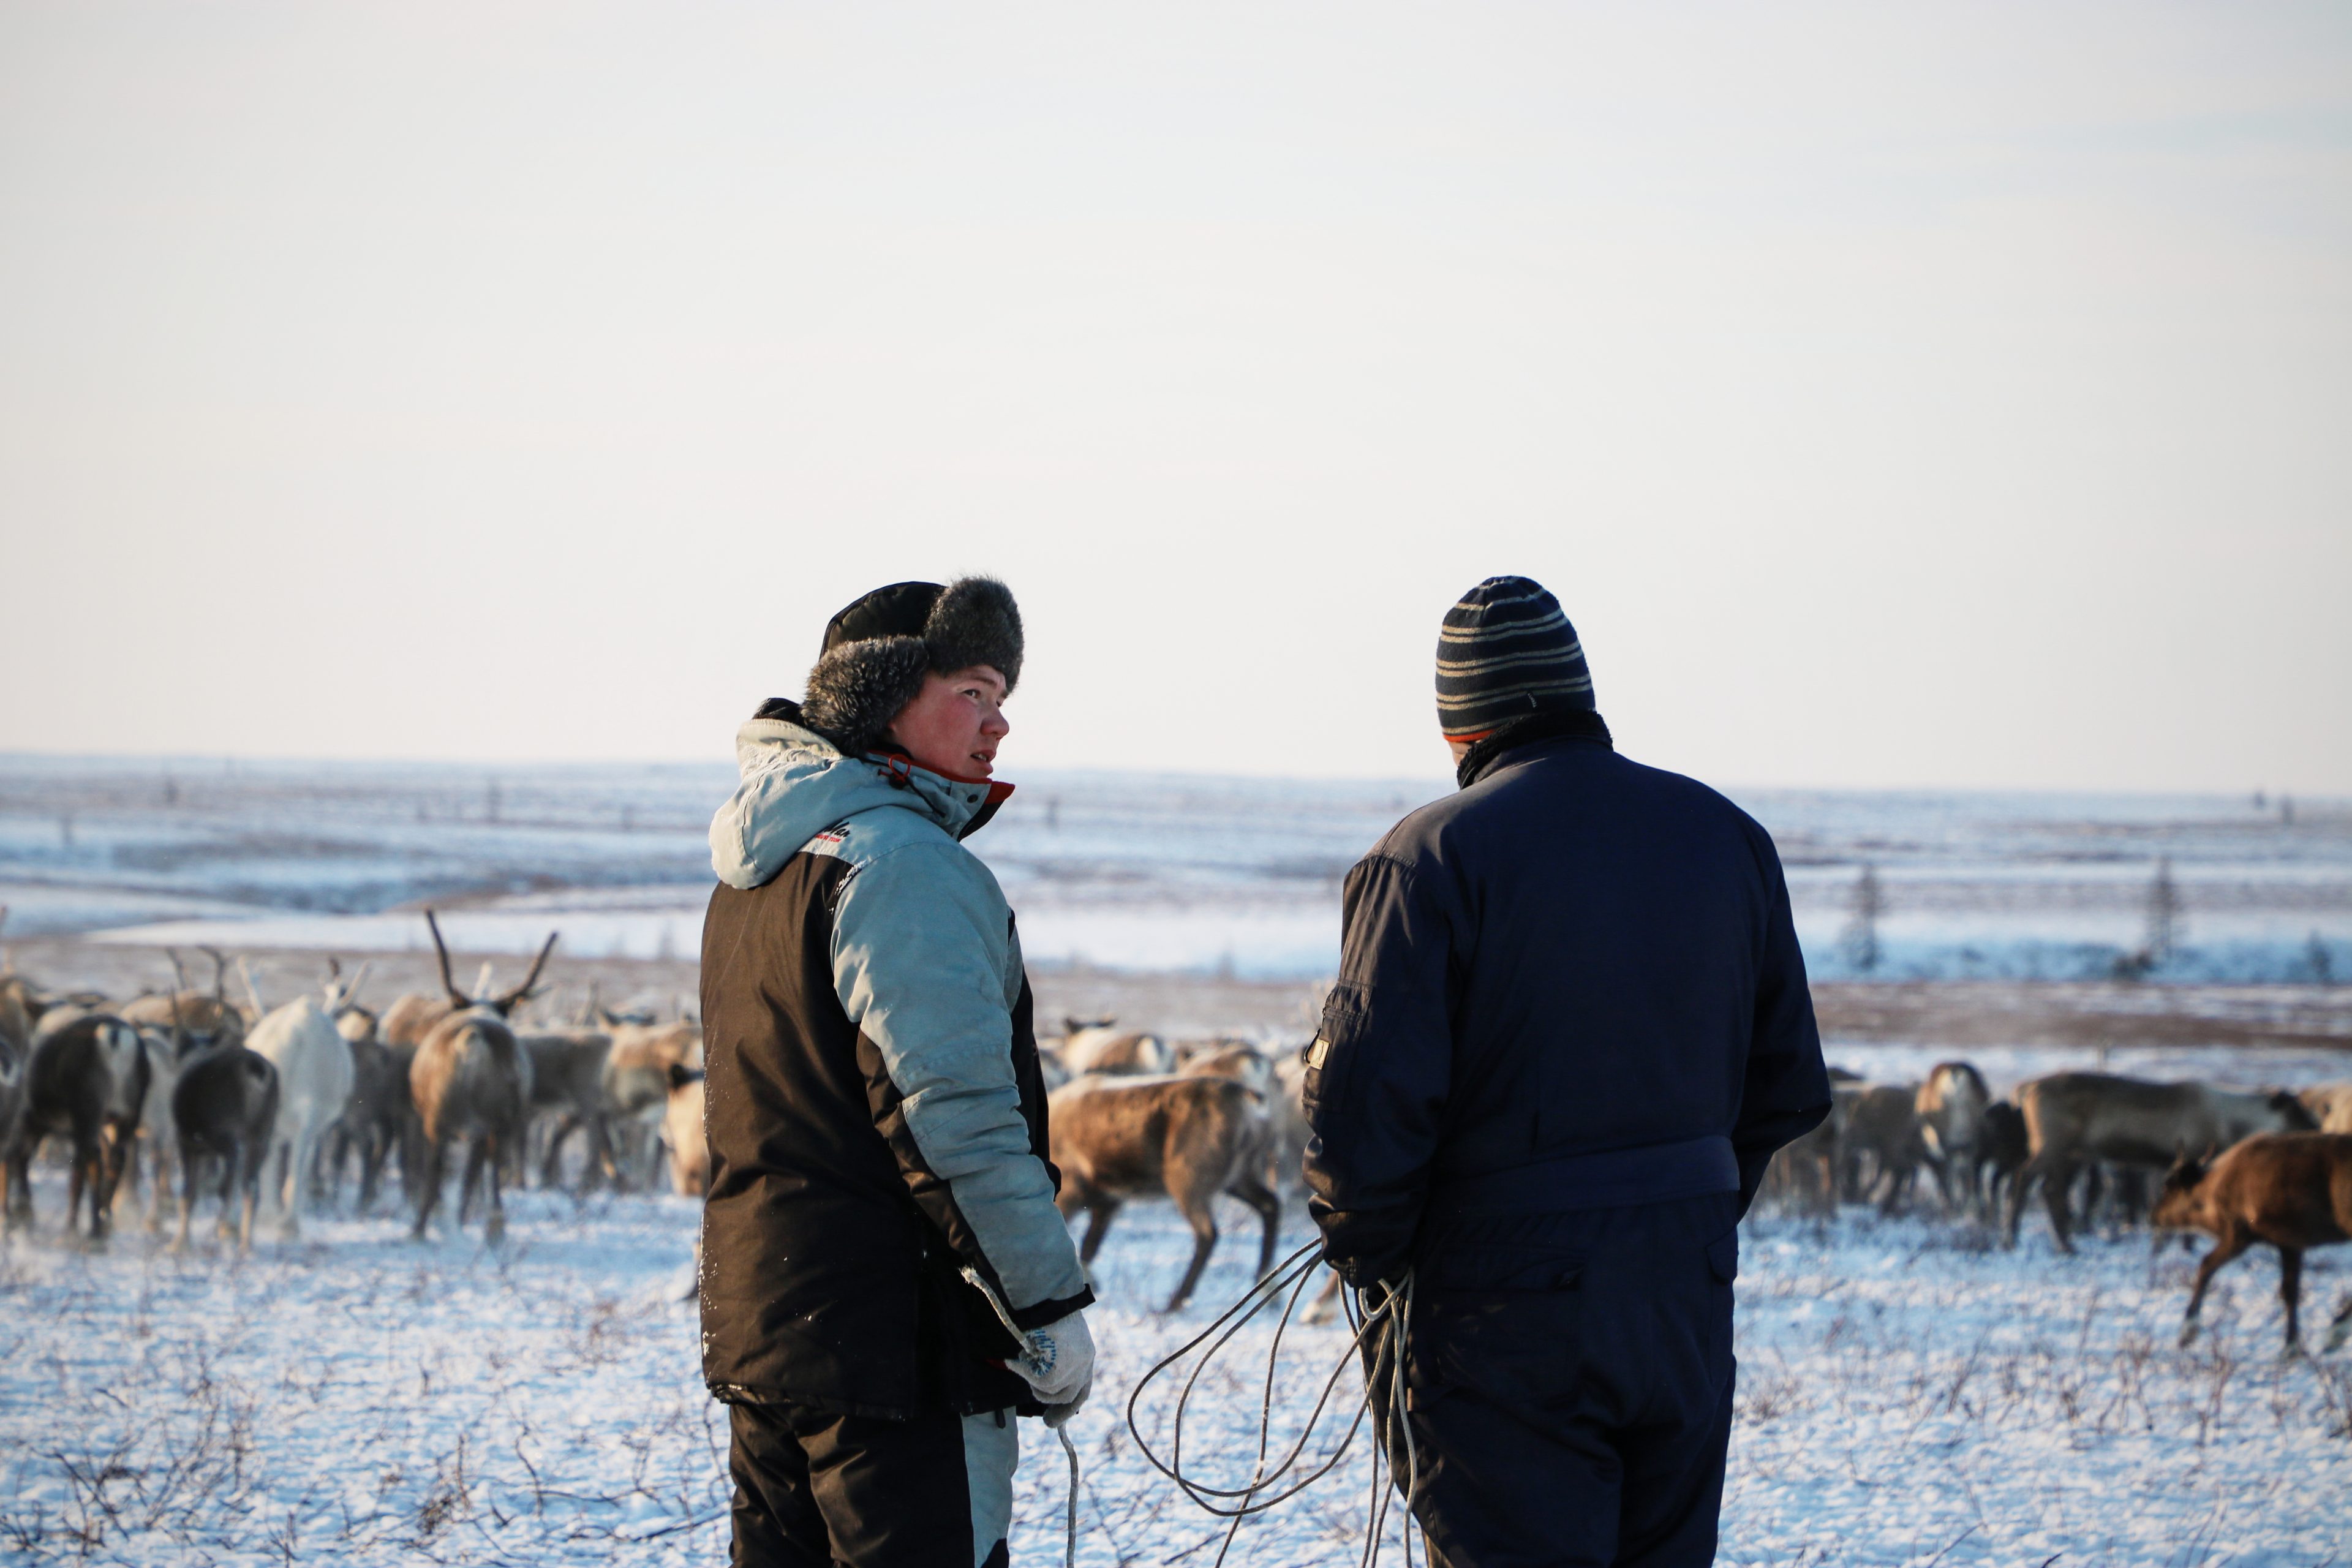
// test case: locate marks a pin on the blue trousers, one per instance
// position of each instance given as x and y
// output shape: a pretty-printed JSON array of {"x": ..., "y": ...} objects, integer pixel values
[{"x": 1568, "y": 1381}]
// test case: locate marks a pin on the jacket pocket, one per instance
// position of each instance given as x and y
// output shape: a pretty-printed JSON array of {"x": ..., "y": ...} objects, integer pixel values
[
  {"x": 1516, "y": 1348},
  {"x": 1723, "y": 1257},
  {"x": 1347, "y": 1011}
]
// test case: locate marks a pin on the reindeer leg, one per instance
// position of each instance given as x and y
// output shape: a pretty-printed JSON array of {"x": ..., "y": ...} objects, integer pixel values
[
  {"x": 477, "y": 1153},
  {"x": 1203, "y": 1221},
  {"x": 373, "y": 1145},
  {"x": 598, "y": 1163},
  {"x": 247, "y": 1164},
  {"x": 314, "y": 1175},
  {"x": 550, "y": 1170},
  {"x": 232, "y": 1167},
  {"x": 1320, "y": 1308},
  {"x": 2227, "y": 1246},
  {"x": 160, "y": 1194},
  {"x": 1893, "y": 1181},
  {"x": 188, "y": 1158},
  {"x": 552, "y": 1166},
  {"x": 2020, "y": 1185},
  {"x": 2340, "y": 1329},
  {"x": 85, "y": 1154},
  {"x": 493, "y": 1229},
  {"x": 428, "y": 1184},
  {"x": 1261, "y": 1197},
  {"x": 127, "y": 1186},
  {"x": 2291, "y": 1295},
  {"x": 298, "y": 1152},
  {"x": 1100, "y": 1211},
  {"x": 112, "y": 1153},
  {"x": 96, "y": 1187},
  {"x": 2057, "y": 1186}
]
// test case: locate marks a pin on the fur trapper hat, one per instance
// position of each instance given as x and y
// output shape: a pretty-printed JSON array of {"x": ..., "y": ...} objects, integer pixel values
[{"x": 878, "y": 650}]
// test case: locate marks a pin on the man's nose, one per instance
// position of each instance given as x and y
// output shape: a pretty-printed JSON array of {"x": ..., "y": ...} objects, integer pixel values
[{"x": 996, "y": 724}]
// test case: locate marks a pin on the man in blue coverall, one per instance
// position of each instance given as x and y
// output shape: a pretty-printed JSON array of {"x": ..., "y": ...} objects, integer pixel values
[{"x": 1570, "y": 1027}]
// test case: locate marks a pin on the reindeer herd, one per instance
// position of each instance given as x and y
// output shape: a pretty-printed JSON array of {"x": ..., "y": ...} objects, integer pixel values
[
  {"x": 2245, "y": 1167},
  {"x": 259, "y": 1104},
  {"x": 253, "y": 1103}
]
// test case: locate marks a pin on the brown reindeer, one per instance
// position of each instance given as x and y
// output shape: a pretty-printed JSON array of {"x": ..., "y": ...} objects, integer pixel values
[
  {"x": 1118, "y": 1137},
  {"x": 1235, "y": 1059},
  {"x": 1281, "y": 1084},
  {"x": 205, "y": 1018},
  {"x": 224, "y": 1107},
  {"x": 1097, "y": 1047},
  {"x": 381, "y": 1085},
  {"x": 637, "y": 1085},
  {"x": 682, "y": 1130},
  {"x": 2292, "y": 1190},
  {"x": 471, "y": 1079},
  {"x": 405, "y": 1024},
  {"x": 2330, "y": 1105},
  {"x": 1802, "y": 1175},
  {"x": 88, "y": 1080},
  {"x": 1881, "y": 1125},
  {"x": 1950, "y": 1106},
  {"x": 2076, "y": 1118}
]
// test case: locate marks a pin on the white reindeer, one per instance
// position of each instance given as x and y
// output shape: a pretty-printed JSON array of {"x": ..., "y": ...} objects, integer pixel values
[{"x": 314, "y": 1084}]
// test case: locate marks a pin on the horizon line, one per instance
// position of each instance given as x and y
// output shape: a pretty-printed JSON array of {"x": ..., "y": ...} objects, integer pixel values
[{"x": 162, "y": 764}]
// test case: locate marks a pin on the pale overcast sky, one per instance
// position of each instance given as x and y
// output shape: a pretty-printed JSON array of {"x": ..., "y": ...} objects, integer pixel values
[{"x": 1892, "y": 394}]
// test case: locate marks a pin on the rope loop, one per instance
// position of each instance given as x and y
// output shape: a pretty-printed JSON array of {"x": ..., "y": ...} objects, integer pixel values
[{"x": 1380, "y": 1324}]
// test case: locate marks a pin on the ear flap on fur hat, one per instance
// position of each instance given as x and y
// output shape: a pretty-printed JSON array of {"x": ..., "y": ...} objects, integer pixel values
[
  {"x": 861, "y": 682},
  {"x": 857, "y": 688}
]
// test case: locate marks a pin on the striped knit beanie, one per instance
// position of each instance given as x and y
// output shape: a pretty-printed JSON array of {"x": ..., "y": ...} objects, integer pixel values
[{"x": 1506, "y": 650}]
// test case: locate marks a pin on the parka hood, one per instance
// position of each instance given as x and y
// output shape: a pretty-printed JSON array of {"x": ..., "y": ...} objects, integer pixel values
[{"x": 795, "y": 783}]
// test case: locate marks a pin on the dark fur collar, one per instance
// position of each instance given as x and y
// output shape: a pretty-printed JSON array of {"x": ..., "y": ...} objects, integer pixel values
[{"x": 1550, "y": 724}]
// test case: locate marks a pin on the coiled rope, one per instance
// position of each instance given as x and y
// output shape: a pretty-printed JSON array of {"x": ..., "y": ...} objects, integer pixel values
[{"x": 1379, "y": 1320}]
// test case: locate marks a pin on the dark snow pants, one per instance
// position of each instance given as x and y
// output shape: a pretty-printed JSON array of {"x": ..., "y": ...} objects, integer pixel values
[
  {"x": 1568, "y": 1378},
  {"x": 813, "y": 1489}
]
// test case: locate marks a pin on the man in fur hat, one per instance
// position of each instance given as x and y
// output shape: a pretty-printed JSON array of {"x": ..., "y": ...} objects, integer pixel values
[{"x": 876, "y": 1112}]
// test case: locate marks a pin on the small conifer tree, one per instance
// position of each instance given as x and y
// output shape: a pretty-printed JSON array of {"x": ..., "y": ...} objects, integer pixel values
[
  {"x": 1862, "y": 925},
  {"x": 2165, "y": 926}
]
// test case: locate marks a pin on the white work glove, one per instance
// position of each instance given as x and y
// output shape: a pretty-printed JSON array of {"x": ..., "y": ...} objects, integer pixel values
[{"x": 1058, "y": 1364}]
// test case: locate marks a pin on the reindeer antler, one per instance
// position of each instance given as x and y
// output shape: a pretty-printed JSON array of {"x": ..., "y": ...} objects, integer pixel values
[
  {"x": 220, "y": 973},
  {"x": 179, "y": 984},
  {"x": 523, "y": 990},
  {"x": 252, "y": 992},
  {"x": 442, "y": 948}
]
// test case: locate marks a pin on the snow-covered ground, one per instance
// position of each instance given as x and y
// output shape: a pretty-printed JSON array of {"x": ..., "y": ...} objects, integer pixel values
[{"x": 1908, "y": 1396}]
